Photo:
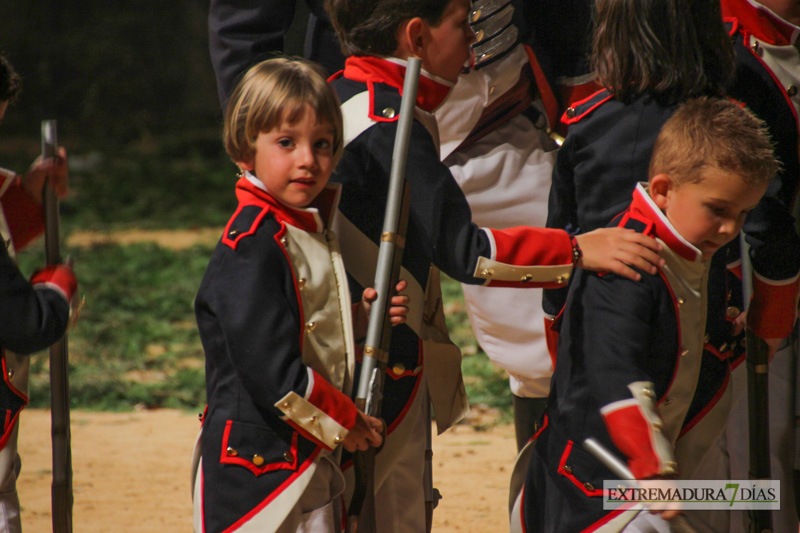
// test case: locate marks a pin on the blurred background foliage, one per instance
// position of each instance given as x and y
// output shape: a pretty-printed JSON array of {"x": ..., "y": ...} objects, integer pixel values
[{"x": 131, "y": 85}]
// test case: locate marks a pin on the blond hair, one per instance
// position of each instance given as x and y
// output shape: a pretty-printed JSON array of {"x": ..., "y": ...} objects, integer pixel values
[
  {"x": 713, "y": 133},
  {"x": 274, "y": 91}
]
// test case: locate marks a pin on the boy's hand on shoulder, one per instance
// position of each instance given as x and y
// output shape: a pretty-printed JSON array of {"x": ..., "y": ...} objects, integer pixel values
[
  {"x": 367, "y": 432},
  {"x": 617, "y": 250}
]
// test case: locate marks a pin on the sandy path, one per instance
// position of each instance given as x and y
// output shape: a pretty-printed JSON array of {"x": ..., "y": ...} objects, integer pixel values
[{"x": 131, "y": 473}]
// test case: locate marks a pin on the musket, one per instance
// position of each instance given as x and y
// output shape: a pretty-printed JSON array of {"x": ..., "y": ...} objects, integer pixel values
[
  {"x": 61, "y": 490},
  {"x": 757, "y": 398},
  {"x": 376, "y": 346}
]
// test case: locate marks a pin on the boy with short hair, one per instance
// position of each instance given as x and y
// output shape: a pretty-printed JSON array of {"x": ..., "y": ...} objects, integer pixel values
[
  {"x": 276, "y": 321},
  {"x": 379, "y": 36},
  {"x": 629, "y": 353}
]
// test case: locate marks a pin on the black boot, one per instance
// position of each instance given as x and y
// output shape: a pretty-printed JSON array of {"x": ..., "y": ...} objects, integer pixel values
[{"x": 527, "y": 418}]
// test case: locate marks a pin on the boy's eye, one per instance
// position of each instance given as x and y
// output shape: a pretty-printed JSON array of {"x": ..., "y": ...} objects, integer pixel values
[
  {"x": 285, "y": 142},
  {"x": 323, "y": 144}
]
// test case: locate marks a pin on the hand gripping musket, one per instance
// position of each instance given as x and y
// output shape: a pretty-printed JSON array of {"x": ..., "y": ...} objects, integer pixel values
[
  {"x": 376, "y": 346},
  {"x": 757, "y": 398},
  {"x": 61, "y": 492}
]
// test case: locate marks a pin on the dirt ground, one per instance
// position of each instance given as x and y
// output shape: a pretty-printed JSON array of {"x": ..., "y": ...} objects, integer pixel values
[{"x": 131, "y": 473}]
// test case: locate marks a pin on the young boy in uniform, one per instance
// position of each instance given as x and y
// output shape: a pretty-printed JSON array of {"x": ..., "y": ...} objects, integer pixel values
[
  {"x": 629, "y": 354},
  {"x": 276, "y": 321},
  {"x": 379, "y": 36}
]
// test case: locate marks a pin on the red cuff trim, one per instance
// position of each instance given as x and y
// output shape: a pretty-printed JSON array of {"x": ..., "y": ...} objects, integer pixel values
[
  {"x": 631, "y": 433},
  {"x": 332, "y": 402},
  {"x": 526, "y": 246},
  {"x": 773, "y": 311},
  {"x": 59, "y": 278}
]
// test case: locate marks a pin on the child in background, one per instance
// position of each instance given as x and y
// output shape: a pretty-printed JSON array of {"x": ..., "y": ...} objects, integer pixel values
[
  {"x": 767, "y": 80},
  {"x": 630, "y": 354},
  {"x": 379, "y": 36},
  {"x": 275, "y": 318},
  {"x": 35, "y": 314}
]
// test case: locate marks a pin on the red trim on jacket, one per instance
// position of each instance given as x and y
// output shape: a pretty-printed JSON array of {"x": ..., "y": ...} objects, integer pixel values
[
  {"x": 333, "y": 402},
  {"x": 760, "y": 22},
  {"x": 513, "y": 246},
  {"x": 696, "y": 420},
  {"x": 25, "y": 217},
  {"x": 10, "y": 423},
  {"x": 545, "y": 91},
  {"x": 633, "y": 435},
  {"x": 248, "y": 463},
  {"x": 773, "y": 310},
  {"x": 644, "y": 209},
  {"x": 369, "y": 70},
  {"x": 569, "y": 475},
  {"x": 233, "y": 243},
  {"x": 566, "y": 119},
  {"x": 274, "y": 494}
]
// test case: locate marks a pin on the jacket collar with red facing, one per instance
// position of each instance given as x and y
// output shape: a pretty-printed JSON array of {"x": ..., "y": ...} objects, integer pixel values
[
  {"x": 760, "y": 22},
  {"x": 314, "y": 218},
  {"x": 644, "y": 210},
  {"x": 391, "y": 71}
]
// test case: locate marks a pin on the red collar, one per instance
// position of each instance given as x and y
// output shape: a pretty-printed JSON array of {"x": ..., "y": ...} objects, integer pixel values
[
  {"x": 312, "y": 219},
  {"x": 368, "y": 69},
  {"x": 760, "y": 22},
  {"x": 647, "y": 212}
]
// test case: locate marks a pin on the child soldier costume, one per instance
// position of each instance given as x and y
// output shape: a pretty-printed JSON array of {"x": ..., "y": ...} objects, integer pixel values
[
  {"x": 422, "y": 361},
  {"x": 275, "y": 320},
  {"x": 629, "y": 362},
  {"x": 34, "y": 315}
]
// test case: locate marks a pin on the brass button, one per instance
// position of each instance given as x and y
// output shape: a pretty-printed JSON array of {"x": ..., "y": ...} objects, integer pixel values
[
  {"x": 791, "y": 90},
  {"x": 10, "y": 373},
  {"x": 526, "y": 278},
  {"x": 588, "y": 486},
  {"x": 389, "y": 112},
  {"x": 285, "y": 406},
  {"x": 707, "y": 338},
  {"x": 258, "y": 460},
  {"x": 231, "y": 452},
  {"x": 723, "y": 347},
  {"x": 657, "y": 425},
  {"x": 560, "y": 280},
  {"x": 570, "y": 112},
  {"x": 233, "y": 232},
  {"x": 648, "y": 393},
  {"x": 313, "y": 419},
  {"x": 670, "y": 467},
  {"x": 487, "y": 272},
  {"x": 755, "y": 48},
  {"x": 491, "y": 90},
  {"x": 288, "y": 457},
  {"x": 476, "y": 16},
  {"x": 311, "y": 326},
  {"x": 684, "y": 352},
  {"x": 398, "y": 369},
  {"x": 732, "y": 311},
  {"x": 284, "y": 241},
  {"x": 681, "y": 301},
  {"x": 479, "y": 36},
  {"x": 338, "y": 438},
  {"x": 567, "y": 469},
  {"x": 301, "y": 282}
]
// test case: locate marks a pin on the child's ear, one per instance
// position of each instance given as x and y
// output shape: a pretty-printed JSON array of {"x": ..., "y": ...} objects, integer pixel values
[
  {"x": 245, "y": 165},
  {"x": 660, "y": 185},
  {"x": 411, "y": 39}
]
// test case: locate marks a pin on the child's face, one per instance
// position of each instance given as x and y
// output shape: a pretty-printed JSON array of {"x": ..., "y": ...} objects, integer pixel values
[
  {"x": 447, "y": 50},
  {"x": 710, "y": 213},
  {"x": 294, "y": 161}
]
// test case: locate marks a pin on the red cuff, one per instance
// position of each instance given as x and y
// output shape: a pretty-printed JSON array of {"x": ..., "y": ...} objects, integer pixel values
[
  {"x": 773, "y": 311},
  {"x": 25, "y": 217},
  {"x": 333, "y": 402},
  {"x": 632, "y": 434},
  {"x": 57, "y": 277}
]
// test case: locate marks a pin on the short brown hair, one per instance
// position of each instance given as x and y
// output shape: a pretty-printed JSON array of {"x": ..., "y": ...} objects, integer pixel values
[
  {"x": 713, "y": 133},
  {"x": 672, "y": 49},
  {"x": 273, "y": 91},
  {"x": 369, "y": 27}
]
